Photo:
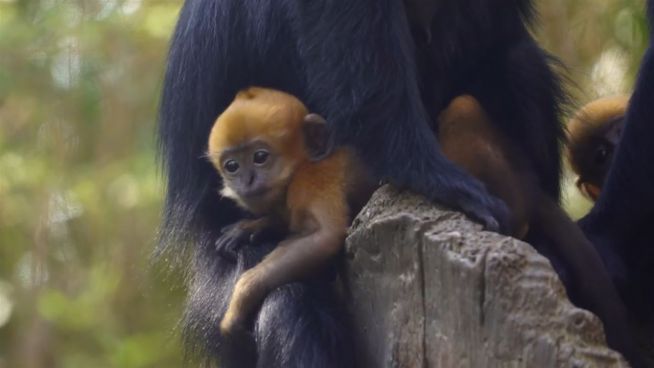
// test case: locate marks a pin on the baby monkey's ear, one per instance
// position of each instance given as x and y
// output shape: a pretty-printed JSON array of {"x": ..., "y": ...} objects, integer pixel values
[{"x": 316, "y": 137}]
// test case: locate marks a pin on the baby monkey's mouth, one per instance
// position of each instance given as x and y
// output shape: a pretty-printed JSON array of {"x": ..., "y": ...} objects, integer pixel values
[
  {"x": 262, "y": 200},
  {"x": 256, "y": 193}
]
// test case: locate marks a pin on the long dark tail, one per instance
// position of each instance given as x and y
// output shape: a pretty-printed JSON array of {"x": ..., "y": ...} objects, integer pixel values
[
  {"x": 303, "y": 325},
  {"x": 589, "y": 283}
]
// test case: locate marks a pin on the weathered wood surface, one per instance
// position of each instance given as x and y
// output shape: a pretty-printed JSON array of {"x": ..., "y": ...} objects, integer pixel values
[{"x": 429, "y": 288}]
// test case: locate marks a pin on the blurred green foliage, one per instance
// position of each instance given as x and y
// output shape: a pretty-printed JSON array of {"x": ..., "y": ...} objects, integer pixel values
[{"x": 80, "y": 193}]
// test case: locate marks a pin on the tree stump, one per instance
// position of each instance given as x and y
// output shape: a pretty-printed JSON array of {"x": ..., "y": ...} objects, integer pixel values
[{"x": 428, "y": 288}]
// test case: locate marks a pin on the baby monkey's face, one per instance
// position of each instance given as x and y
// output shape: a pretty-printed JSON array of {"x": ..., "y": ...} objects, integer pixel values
[
  {"x": 592, "y": 155},
  {"x": 254, "y": 175}
]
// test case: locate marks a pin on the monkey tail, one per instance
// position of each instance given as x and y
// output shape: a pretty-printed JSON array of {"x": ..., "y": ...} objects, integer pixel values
[
  {"x": 303, "y": 325},
  {"x": 591, "y": 284}
]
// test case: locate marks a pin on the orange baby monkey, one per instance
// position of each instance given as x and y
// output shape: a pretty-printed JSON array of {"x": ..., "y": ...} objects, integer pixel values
[
  {"x": 593, "y": 136},
  {"x": 272, "y": 156}
]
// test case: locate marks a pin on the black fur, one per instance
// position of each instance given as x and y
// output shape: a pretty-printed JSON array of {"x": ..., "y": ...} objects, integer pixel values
[
  {"x": 494, "y": 58},
  {"x": 356, "y": 63},
  {"x": 619, "y": 223}
]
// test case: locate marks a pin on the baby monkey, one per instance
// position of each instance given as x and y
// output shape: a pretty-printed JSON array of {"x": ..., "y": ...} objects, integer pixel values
[
  {"x": 274, "y": 160},
  {"x": 593, "y": 135}
]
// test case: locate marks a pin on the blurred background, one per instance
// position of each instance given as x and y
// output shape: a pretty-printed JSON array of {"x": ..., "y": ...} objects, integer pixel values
[{"x": 80, "y": 192}]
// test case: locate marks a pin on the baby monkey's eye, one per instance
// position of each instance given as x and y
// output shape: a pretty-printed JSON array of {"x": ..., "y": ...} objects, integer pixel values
[
  {"x": 261, "y": 156},
  {"x": 231, "y": 166},
  {"x": 601, "y": 155}
]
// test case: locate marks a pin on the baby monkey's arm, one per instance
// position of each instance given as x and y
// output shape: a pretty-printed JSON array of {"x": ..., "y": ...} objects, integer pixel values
[{"x": 319, "y": 235}]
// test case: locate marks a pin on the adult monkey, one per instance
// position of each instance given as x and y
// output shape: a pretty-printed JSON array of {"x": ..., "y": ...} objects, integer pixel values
[
  {"x": 356, "y": 63},
  {"x": 625, "y": 208}
]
